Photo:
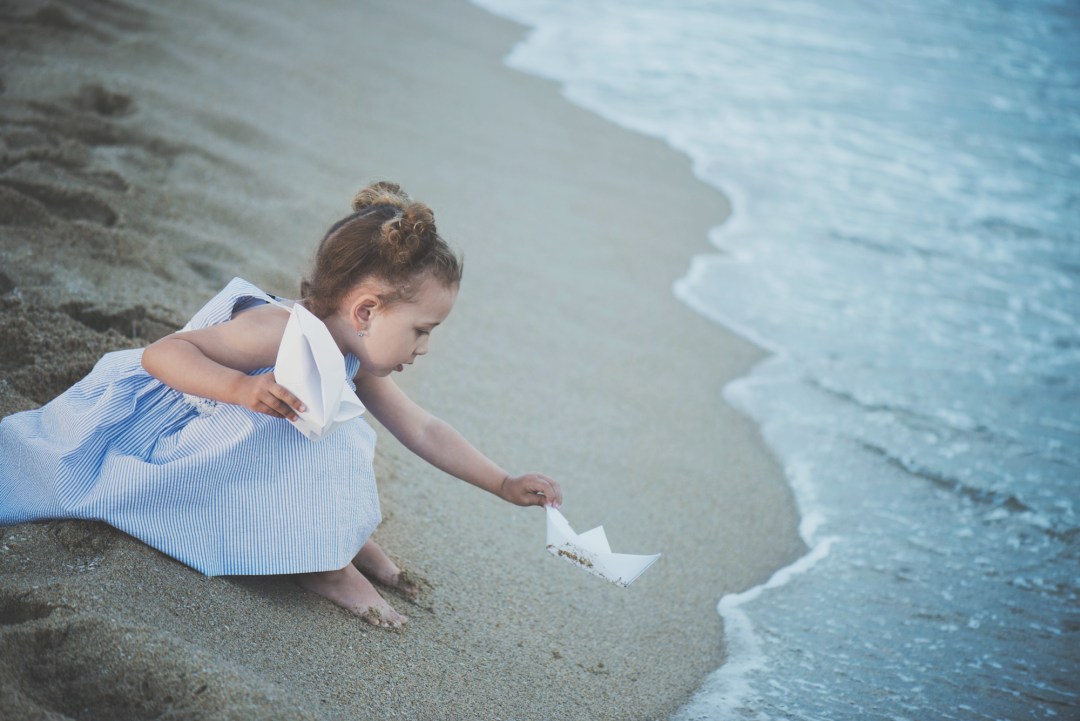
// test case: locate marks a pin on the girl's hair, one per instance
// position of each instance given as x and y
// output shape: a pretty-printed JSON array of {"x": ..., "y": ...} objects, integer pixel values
[{"x": 388, "y": 239}]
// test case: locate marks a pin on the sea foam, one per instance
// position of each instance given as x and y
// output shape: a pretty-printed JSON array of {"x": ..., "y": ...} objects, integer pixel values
[{"x": 904, "y": 241}]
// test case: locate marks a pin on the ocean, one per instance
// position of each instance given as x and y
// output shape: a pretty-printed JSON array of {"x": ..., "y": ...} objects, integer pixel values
[{"x": 906, "y": 243}]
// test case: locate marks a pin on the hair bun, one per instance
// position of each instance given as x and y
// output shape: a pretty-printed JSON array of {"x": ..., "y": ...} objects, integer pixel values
[
  {"x": 410, "y": 235},
  {"x": 381, "y": 193},
  {"x": 388, "y": 242}
]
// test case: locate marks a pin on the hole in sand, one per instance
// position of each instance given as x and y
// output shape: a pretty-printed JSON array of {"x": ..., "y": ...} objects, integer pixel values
[
  {"x": 15, "y": 611},
  {"x": 66, "y": 204}
]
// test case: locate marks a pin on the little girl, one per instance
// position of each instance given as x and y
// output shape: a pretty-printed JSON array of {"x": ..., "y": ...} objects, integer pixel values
[{"x": 185, "y": 444}]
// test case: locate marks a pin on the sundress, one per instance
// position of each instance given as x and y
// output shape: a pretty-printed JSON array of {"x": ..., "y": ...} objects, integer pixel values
[{"x": 220, "y": 488}]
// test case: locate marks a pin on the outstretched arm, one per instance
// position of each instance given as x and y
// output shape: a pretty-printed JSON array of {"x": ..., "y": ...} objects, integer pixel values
[
  {"x": 214, "y": 362},
  {"x": 438, "y": 443}
]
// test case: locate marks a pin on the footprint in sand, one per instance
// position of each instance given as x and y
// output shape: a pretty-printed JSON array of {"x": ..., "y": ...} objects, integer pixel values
[
  {"x": 55, "y": 663},
  {"x": 63, "y": 203}
]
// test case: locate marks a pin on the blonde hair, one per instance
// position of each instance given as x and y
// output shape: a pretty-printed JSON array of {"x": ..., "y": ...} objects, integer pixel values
[{"x": 389, "y": 239}]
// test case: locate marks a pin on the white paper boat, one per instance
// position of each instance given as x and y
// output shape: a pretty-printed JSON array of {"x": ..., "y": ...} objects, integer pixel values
[
  {"x": 590, "y": 550},
  {"x": 310, "y": 365}
]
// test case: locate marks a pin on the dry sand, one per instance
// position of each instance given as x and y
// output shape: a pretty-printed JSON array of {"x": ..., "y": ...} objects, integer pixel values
[{"x": 148, "y": 154}]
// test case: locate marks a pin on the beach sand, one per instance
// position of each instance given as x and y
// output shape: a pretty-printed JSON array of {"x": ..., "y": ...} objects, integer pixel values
[{"x": 148, "y": 154}]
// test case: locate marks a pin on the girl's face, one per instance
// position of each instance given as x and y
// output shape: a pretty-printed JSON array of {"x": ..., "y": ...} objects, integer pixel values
[{"x": 395, "y": 335}]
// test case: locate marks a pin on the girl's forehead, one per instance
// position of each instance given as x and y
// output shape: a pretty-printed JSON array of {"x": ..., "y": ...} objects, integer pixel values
[{"x": 434, "y": 301}]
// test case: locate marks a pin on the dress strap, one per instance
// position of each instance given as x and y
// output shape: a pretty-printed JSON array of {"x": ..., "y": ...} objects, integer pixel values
[{"x": 285, "y": 303}]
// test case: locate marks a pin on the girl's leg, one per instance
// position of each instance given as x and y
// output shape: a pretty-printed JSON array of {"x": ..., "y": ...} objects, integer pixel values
[
  {"x": 376, "y": 565},
  {"x": 349, "y": 589}
]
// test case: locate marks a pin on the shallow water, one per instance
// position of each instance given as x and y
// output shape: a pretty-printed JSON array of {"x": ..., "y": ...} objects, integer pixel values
[{"x": 906, "y": 240}]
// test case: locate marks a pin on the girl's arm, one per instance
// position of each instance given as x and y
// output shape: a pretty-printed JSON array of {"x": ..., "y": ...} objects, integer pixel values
[
  {"x": 438, "y": 443},
  {"x": 214, "y": 362}
]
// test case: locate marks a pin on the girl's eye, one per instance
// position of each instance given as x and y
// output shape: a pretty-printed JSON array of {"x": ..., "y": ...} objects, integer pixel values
[{"x": 422, "y": 332}]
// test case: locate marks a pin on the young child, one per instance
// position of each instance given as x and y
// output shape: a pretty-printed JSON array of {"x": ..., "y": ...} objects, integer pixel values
[{"x": 185, "y": 444}]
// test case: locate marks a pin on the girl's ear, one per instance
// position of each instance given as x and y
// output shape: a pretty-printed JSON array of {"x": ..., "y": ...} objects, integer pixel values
[{"x": 363, "y": 308}]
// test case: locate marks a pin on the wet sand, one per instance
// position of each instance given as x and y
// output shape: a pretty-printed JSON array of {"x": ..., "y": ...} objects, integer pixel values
[{"x": 150, "y": 154}]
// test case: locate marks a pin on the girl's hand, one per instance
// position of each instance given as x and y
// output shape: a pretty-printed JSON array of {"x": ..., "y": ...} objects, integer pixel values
[
  {"x": 532, "y": 489},
  {"x": 263, "y": 394}
]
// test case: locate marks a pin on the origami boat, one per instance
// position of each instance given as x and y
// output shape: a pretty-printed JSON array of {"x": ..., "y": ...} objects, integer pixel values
[{"x": 590, "y": 551}]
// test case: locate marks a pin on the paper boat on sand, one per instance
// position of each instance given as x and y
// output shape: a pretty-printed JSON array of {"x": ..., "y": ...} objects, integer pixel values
[
  {"x": 590, "y": 550},
  {"x": 310, "y": 364}
]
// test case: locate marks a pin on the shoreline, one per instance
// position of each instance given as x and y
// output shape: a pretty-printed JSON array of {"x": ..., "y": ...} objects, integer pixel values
[{"x": 567, "y": 353}]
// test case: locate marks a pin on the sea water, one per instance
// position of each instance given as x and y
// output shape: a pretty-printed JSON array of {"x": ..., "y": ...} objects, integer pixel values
[{"x": 906, "y": 242}]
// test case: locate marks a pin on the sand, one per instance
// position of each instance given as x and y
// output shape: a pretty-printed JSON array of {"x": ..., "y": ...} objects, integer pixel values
[{"x": 148, "y": 154}]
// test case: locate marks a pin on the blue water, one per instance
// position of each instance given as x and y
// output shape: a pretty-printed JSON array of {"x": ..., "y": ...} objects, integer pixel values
[{"x": 906, "y": 242}]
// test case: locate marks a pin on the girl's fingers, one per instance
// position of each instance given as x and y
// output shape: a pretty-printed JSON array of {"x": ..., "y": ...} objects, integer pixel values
[
  {"x": 279, "y": 391},
  {"x": 285, "y": 395},
  {"x": 532, "y": 489},
  {"x": 284, "y": 410},
  {"x": 555, "y": 498},
  {"x": 281, "y": 402},
  {"x": 544, "y": 491},
  {"x": 277, "y": 408},
  {"x": 552, "y": 492},
  {"x": 271, "y": 408}
]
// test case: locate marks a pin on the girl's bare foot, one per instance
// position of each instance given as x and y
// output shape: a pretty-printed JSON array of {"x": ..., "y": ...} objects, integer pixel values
[
  {"x": 349, "y": 589},
  {"x": 376, "y": 565}
]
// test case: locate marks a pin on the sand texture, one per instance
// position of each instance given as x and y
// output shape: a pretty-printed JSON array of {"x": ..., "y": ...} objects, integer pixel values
[{"x": 151, "y": 151}]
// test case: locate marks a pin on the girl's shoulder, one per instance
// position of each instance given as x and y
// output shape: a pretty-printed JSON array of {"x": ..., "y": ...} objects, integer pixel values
[
  {"x": 266, "y": 317},
  {"x": 237, "y": 296}
]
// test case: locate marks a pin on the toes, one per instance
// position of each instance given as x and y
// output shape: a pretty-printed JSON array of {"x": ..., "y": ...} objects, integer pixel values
[
  {"x": 405, "y": 583},
  {"x": 387, "y": 618},
  {"x": 399, "y": 582},
  {"x": 373, "y": 617}
]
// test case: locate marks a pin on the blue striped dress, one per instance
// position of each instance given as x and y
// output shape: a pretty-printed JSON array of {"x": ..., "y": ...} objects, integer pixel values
[{"x": 222, "y": 489}]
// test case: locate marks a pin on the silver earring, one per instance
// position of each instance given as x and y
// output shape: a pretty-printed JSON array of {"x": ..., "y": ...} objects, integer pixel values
[{"x": 360, "y": 333}]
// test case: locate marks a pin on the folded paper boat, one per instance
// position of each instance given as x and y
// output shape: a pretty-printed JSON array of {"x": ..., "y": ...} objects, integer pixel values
[
  {"x": 310, "y": 365},
  {"x": 590, "y": 550}
]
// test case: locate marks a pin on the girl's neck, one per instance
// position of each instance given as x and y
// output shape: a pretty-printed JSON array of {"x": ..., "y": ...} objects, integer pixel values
[{"x": 341, "y": 331}]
